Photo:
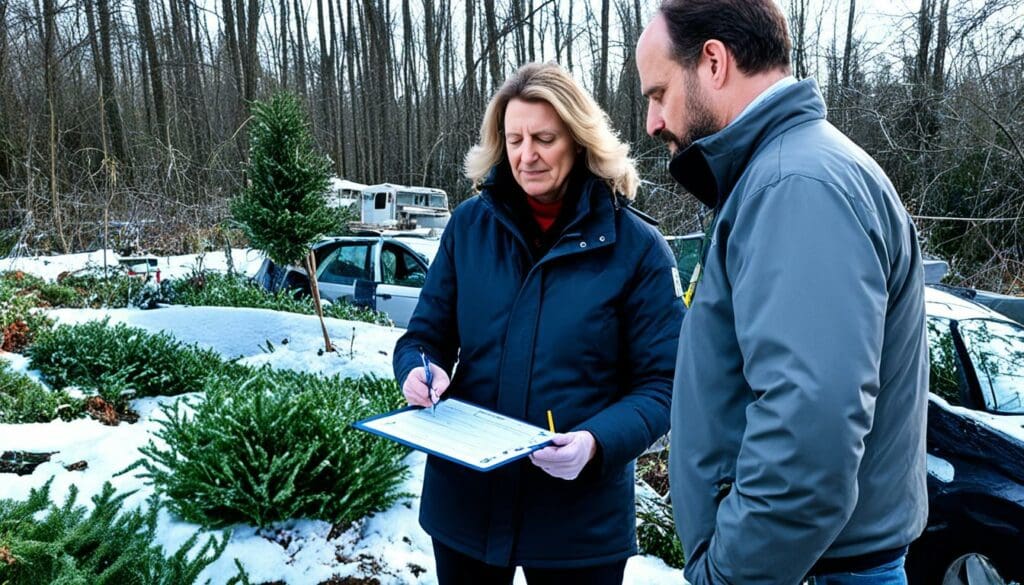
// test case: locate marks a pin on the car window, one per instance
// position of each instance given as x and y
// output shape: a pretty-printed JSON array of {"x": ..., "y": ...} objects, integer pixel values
[
  {"x": 944, "y": 375},
  {"x": 687, "y": 253},
  {"x": 347, "y": 263},
  {"x": 996, "y": 349},
  {"x": 399, "y": 266}
]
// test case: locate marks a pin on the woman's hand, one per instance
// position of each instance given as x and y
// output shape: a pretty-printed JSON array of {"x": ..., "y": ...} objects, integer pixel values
[
  {"x": 415, "y": 386},
  {"x": 568, "y": 455}
]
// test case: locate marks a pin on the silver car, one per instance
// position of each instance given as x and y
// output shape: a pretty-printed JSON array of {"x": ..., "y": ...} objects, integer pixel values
[{"x": 382, "y": 272}]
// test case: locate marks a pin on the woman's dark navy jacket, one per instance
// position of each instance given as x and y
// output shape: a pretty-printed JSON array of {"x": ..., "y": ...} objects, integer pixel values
[{"x": 588, "y": 331}]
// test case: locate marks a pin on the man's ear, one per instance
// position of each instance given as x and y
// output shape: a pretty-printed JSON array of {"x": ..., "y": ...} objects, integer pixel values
[{"x": 716, "y": 61}]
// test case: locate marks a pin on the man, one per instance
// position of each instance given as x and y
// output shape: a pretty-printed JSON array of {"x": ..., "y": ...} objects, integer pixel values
[{"x": 798, "y": 422}]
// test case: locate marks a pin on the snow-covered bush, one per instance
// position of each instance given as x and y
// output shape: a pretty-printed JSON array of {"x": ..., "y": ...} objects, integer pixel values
[
  {"x": 113, "y": 289},
  {"x": 43, "y": 543},
  {"x": 23, "y": 400},
  {"x": 278, "y": 446},
  {"x": 656, "y": 529},
  {"x": 217, "y": 289},
  {"x": 93, "y": 356}
]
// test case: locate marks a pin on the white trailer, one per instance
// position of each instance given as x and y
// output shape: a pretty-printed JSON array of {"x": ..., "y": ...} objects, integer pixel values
[{"x": 404, "y": 207}]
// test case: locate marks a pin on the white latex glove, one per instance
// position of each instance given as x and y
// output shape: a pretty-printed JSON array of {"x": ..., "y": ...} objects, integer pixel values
[
  {"x": 567, "y": 456},
  {"x": 415, "y": 386}
]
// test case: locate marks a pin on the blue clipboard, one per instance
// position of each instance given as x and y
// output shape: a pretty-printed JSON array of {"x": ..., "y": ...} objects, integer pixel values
[{"x": 495, "y": 460}]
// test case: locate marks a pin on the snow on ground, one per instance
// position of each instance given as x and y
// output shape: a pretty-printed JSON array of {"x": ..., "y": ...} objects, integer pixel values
[
  {"x": 246, "y": 261},
  {"x": 389, "y": 545}
]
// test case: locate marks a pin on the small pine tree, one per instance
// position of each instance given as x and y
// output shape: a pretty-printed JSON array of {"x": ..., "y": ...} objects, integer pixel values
[{"x": 283, "y": 210}]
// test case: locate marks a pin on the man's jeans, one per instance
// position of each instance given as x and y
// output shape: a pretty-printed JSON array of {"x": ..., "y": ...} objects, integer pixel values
[{"x": 890, "y": 573}]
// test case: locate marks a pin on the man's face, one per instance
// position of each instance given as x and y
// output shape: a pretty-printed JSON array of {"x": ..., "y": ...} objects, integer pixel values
[{"x": 678, "y": 110}]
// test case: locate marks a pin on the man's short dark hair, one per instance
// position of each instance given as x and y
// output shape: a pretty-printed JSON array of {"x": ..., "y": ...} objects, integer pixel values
[{"x": 754, "y": 31}]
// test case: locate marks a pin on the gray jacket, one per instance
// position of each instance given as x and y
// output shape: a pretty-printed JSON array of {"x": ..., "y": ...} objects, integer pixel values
[{"x": 799, "y": 406}]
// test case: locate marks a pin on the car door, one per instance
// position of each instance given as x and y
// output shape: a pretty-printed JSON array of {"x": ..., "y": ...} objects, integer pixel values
[
  {"x": 339, "y": 270},
  {"x": 402, "y": 274}
]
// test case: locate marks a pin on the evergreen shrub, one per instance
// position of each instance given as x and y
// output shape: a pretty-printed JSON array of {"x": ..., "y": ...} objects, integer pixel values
[
  {"x": 277, "y": 446},
  {"x": 41, "y": 542},
  {"x": 115, "y": 289},
  {"x": 95, "y": 356},
  {"x": 656, "y": 529},
  {"x": 23, "y": 400},
  {"x": 283, "y": 210}
]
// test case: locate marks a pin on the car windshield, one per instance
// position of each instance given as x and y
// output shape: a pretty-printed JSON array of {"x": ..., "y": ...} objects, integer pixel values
[{"x": 996, "y": 349}]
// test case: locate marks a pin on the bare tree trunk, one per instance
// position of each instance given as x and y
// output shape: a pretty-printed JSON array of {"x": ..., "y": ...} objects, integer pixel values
[
  {"x": 941, "y": 44},
  {"x": 6, "y": 161},
  {"x": 235, "y": 56},
  {"x": 300, "y": 49},
  {"x": 3, "y": 40},
  {"x": 922, "y": 106},
  {"x": 470, "y": 83},
  {"x": 798, "y": 10},
  {"x": 283, "y": 9},
  {"x": 432, "y": 39},
  {"x": 338, "y": 77},
  {"x": 412, "y": 137},
  {"x": 848, "y": 49},
  {"x": 518, "y": 39},
  {"x": 602, "y": 83},
  {"x": 569, "y": 34},
  {"x": 252, "y": 61},
  {"x": 492, "y": 44},
  {"x": 145, "y": 24},
  {"x": 555, "y": 10},
  {"x": 50, "y": 74},
  {"x": 924, "y": 27},
  {"x": 110, "y": 106},
  {"x": 530, "y": 24},
  {"x": 350, "y": 57},
  {"x": 327, "y": 82}
]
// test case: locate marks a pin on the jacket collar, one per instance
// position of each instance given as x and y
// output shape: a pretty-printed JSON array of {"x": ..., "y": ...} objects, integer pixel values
[
  {"x": 710, "y": 167},
  {"x": 592, "y": 224}
]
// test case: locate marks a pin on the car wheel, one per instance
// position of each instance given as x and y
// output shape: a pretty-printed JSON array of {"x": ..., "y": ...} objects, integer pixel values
[
  {"x": 945, "y": 553},
  {"x": 972, "y": 569}
]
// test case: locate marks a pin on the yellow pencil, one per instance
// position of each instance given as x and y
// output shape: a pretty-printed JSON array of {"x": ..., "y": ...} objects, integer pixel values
[{"x": 551, "y": 422}]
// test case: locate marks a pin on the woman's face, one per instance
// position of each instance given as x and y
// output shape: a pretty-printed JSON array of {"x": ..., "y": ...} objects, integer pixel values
[{"x": 540, "y": 149}]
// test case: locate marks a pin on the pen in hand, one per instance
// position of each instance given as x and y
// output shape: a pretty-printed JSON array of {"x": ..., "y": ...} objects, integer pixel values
[{"x": 429, "y": 377}]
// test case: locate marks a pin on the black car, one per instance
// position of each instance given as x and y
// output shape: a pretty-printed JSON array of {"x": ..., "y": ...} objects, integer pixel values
[{"x": 975, "y": 439}]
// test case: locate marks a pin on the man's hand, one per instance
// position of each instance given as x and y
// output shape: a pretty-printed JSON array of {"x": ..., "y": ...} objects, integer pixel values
[
  {"x": 568, "y": 455},
  {"x": 415, "y": 386}
]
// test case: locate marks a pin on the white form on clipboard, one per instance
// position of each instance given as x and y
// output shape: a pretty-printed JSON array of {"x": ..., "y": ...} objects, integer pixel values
[{"x": 458, "y": 431}]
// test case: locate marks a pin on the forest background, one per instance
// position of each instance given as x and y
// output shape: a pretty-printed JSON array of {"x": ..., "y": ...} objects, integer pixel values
[{"x": 125, "y": 120}]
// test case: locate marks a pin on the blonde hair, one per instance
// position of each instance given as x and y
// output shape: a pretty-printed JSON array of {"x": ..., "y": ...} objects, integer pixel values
[{"x": 607, "y": 156}]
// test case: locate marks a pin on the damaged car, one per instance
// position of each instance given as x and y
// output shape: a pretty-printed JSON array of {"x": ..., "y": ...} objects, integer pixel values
[
  {"x": 975, "y": 439},
  {"x": 384, "y": 272}
]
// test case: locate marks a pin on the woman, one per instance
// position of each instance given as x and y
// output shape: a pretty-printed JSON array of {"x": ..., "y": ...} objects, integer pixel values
[{"x": 551, "y": 293}]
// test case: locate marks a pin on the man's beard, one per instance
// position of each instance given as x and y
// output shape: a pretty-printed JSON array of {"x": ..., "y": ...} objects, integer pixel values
[{"x": 702, "y": 121}]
